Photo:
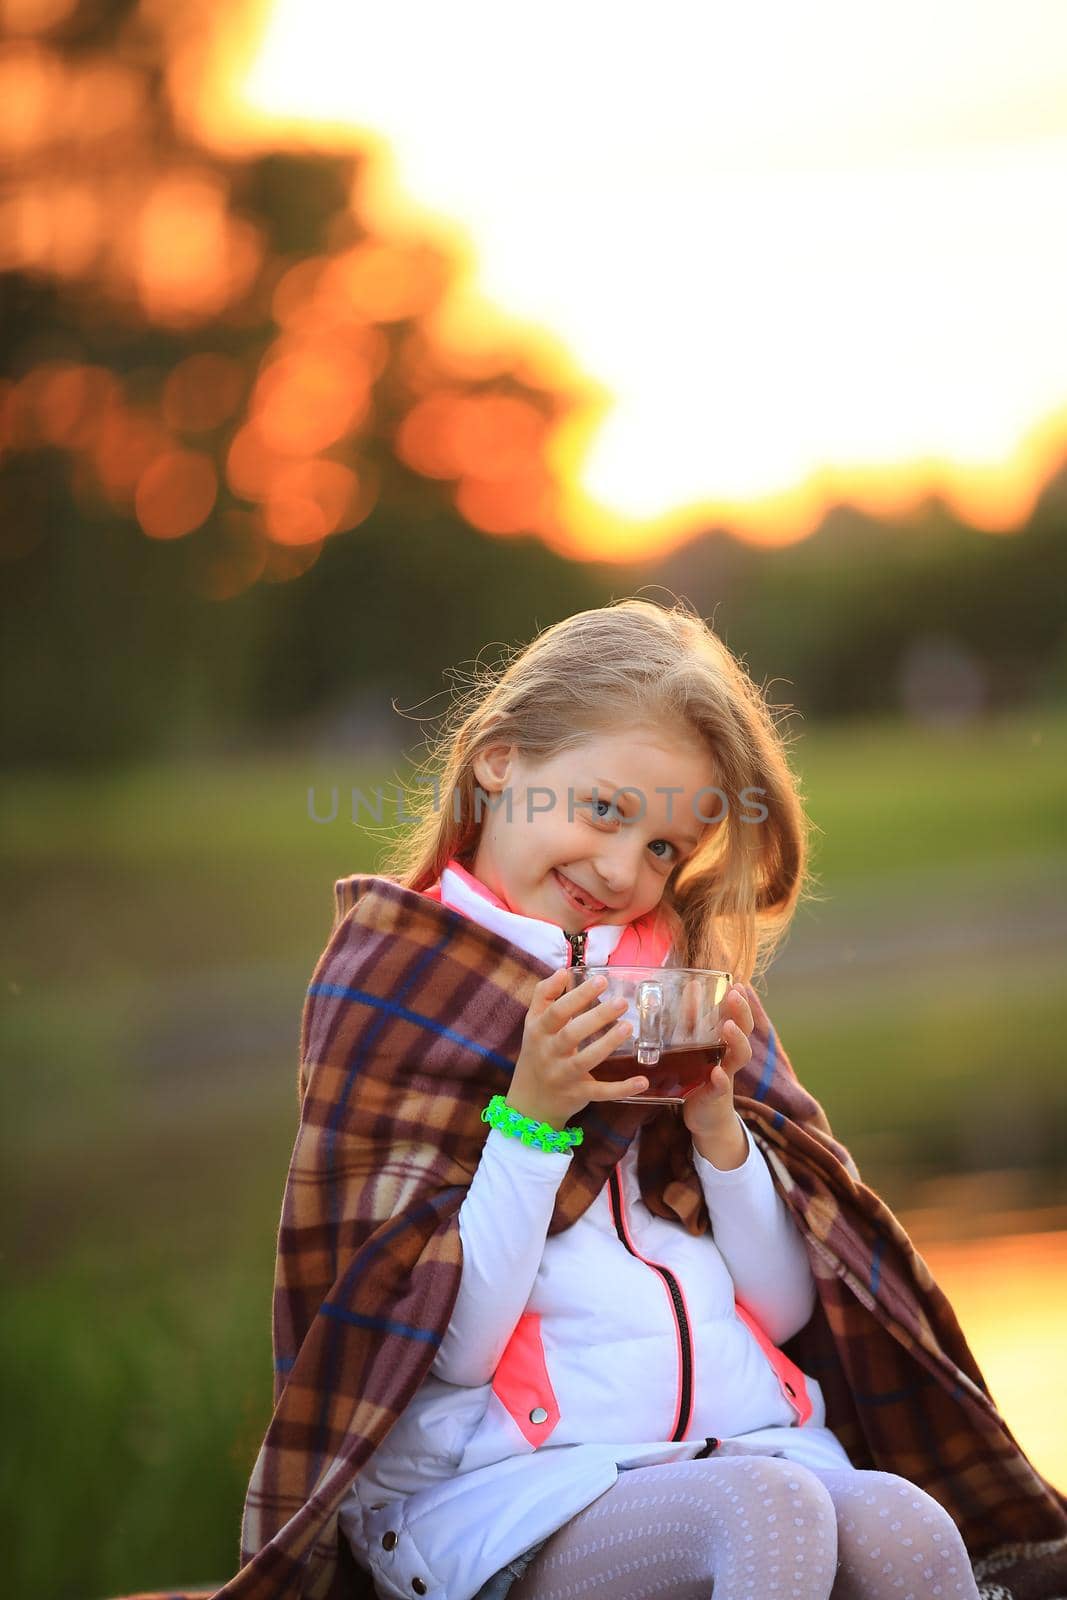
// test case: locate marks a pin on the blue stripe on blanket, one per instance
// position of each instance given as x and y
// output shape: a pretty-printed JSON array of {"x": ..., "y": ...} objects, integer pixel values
[
  {"x": 381, "y": 1324},
  {"x": 330, "y": 1377},
  {"x": 373, "y": 1247},
  {"x": 768, "y": 1070},
  {"x": 342, "y": 992},
  {"x": 384, "y": 1008},
  {"x": 767, "y": 1077},
  {"x": 596, "y": 1124}
]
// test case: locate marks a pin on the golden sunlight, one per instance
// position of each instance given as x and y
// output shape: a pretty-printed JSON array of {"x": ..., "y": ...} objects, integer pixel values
[
  {"x": 783, "y": 260},
  {"x": 1010, "y": 1295}
]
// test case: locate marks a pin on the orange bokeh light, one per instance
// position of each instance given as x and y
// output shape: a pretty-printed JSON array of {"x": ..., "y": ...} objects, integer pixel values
[
  {"x": 382, "y": 282},
  {"x": 33, "y": 16},
  {"x": 66, "y": 403},
  {"x": 192, "y": 258},
  {"x": 126, "y": 442},
  {"x": 496, "y": 435},
  {"x": 424, "y": 438},
  {"x": 57, "y": 227},
  {"x": 201, "y": 392},
  {"x": 251, "y": 465},
  {"x": 31, "y": 93},
  {"x": 295, "y": 519},
  {"x": 309, "y": 393},
  {"x": 518, "y": 506},
  {"x": 308, "y": 500},
  {"x": 293, "y": 301},
  {"x": 78, "y": 225},
  {"x": 102, "y": 98},
  {"x": 47, "y": 100},
  {"x": 175, "y": 493},
  {"x": 452, "y": 435}
]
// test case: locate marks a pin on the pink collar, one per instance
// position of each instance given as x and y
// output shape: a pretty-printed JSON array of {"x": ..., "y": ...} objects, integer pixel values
[{"x": 644, "y": 942}]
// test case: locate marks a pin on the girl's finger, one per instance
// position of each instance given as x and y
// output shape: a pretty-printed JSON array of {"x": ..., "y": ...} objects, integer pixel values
[
  {"x": 741, "y": 1039},
  {"x": 598, "y": 1016},
  {"x": 599, "y": 1090},
  {"x": 572, "y": 1005},
  {"x": 593, "y": 1054},
  {"x": 739, "y": 1050},
  {"x": 546, "y": 992},
  {"x": 743, "y": 1011}
]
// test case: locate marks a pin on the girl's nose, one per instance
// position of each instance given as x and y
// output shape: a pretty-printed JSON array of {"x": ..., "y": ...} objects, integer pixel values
[{"x": 616, "y": 872}]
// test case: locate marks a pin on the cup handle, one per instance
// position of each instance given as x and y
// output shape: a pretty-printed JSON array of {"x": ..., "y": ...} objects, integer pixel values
[{"x": 649, "y": 1001}]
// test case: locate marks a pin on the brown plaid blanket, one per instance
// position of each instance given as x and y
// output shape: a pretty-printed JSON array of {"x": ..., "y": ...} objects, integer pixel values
[{"x": 412, "y": 1020}]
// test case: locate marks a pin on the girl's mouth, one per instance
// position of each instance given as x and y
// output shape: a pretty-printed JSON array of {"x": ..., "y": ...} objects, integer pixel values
[{"x": 576, "y": 896}]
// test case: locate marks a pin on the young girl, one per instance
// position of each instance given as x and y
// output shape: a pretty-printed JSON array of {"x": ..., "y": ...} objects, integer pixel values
[{"x": 528, "y": 1339}]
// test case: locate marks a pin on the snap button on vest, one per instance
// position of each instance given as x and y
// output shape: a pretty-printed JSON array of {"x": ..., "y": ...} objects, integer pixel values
[
  {"x": 389, "y": 1540},
  {"x": 538, "y": 1414},
  {"x": 418, "y": 1586}
]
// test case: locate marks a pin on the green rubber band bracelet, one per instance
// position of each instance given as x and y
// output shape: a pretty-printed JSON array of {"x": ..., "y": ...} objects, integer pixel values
[{"x": 527, "y": 1129}]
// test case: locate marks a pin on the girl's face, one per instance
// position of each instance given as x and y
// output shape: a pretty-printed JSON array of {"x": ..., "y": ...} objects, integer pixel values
[{"x": 595, "y": 817}]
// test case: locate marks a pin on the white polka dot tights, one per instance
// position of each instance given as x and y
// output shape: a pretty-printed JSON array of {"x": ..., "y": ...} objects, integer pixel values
[{"x": 754, "y": 1528}]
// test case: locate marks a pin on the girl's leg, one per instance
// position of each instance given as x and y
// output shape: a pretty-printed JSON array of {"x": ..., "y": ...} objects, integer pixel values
[
  {"x": 745, "y": 1527},
  {"x": 894, "y": 1541}
]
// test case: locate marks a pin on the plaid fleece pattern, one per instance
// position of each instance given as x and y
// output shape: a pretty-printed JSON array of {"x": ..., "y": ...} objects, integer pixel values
[{"x": 413, "y": 1018}]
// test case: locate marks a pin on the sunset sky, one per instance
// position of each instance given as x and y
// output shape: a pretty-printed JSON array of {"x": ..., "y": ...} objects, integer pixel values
[{"x": 791, "y": 253}]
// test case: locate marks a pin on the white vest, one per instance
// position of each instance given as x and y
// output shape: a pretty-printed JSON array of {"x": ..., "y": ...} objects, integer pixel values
[{"x": 613, "y": 1344}]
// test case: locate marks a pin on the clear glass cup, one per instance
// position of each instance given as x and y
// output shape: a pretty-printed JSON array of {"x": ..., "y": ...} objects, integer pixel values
[{"x": 675, "y": 1014}]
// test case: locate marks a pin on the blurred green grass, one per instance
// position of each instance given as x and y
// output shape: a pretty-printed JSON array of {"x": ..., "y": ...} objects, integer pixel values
[{"x": 161, "y": 927}]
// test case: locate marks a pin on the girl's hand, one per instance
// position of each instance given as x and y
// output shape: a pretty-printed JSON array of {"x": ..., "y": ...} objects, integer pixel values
[
  {"x": 709, "y": 1110},
  {"x": 552, "y": 1079}
]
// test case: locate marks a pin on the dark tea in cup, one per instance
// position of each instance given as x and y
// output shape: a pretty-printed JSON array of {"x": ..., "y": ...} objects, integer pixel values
[
  {"x": 676, "y": 1029},
  {"x": 675, "y": 1075}
]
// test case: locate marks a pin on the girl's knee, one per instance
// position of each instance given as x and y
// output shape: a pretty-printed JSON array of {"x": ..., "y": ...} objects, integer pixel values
[
  {"x": 800, "y": 1531},
  {"x": 894, "y": 1533},
  {"x": 911, "y": 1505},
  {"x": 798, "y": 1495}
]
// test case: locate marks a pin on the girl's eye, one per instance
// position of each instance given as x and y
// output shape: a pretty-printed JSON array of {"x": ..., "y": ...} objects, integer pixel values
[
  {"x": 667, "y": 842},
  {"x": 601, "y": 817}
]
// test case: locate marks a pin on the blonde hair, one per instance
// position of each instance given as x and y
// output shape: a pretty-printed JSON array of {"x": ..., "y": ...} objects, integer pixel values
[{"x": 633, "y": 662}]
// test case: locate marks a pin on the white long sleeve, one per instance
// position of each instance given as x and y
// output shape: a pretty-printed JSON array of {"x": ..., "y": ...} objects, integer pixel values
[
  {"x": 759, "y": 1241},
  {"x": 503, "y": 1225}
]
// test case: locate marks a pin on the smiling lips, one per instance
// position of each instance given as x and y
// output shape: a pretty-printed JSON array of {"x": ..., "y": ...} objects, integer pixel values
[{"x": 586, "y": 901}]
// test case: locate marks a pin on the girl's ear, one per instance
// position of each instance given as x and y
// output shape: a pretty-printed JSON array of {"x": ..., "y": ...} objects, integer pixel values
[{"x": 492, "y": 765}]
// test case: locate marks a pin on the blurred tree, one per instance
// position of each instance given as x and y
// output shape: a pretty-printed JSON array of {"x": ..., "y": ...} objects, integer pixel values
[
  {"x": 241, "y": 479},
  {"x": 232, "y": 451}
]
